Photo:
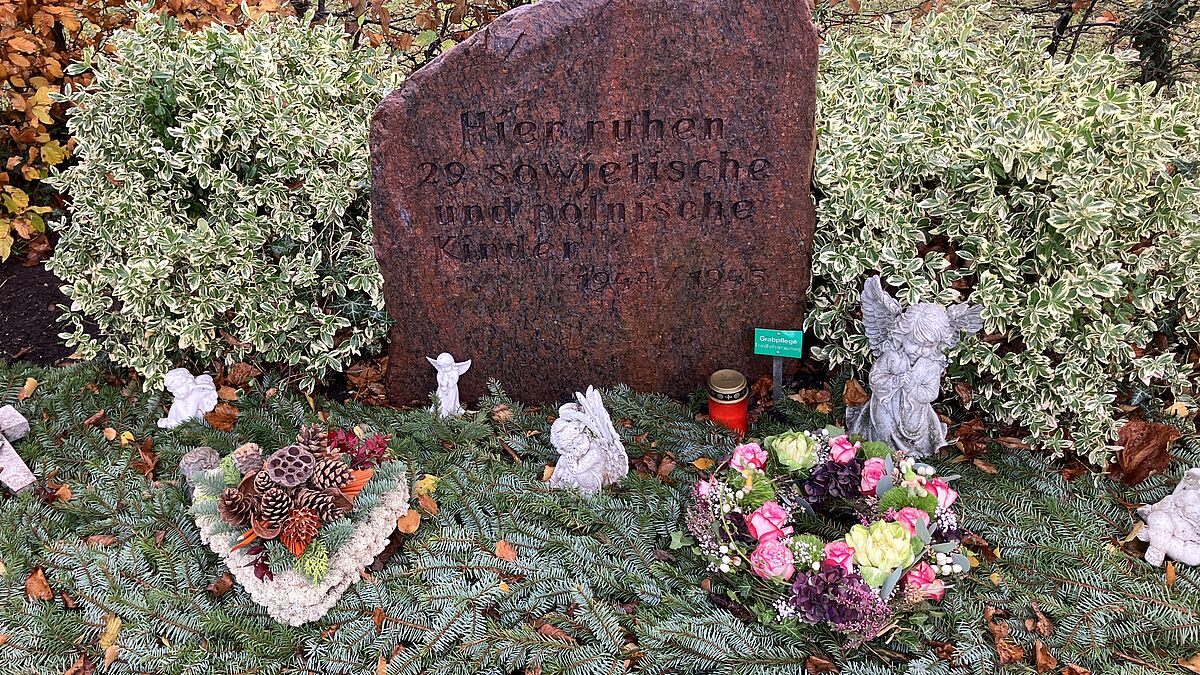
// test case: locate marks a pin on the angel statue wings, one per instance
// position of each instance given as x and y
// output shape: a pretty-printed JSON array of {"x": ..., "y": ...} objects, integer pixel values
[
  {"x": 909, "y": 349},
  {"x": 448, "y": 372},
  {"x": 591, "y": 453},
  {"x": 194, "y": 396}
]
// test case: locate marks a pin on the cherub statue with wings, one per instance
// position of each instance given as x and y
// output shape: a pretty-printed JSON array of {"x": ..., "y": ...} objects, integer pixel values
[
  {"x": 591, "y": 452},
  {"x": 909, "y": 349}
]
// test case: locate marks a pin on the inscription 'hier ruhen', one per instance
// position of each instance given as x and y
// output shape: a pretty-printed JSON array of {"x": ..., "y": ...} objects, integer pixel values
[{"x": 628, "y": 219}]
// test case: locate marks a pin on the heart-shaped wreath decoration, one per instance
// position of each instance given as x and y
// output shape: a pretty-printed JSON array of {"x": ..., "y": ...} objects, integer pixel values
[
  {"x": 756, "y": 520},
  {"x": 297, "y": 527}
]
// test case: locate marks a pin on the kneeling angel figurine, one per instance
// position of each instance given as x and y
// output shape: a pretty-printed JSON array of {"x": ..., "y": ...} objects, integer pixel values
[
  {"x": 592, "y": 455},
  {"x": 1173, "y": 524},
  {"x": 909, "y": 348}
]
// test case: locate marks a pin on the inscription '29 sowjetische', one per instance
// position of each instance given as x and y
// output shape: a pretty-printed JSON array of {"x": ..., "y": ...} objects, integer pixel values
[{"x": 629, "y": 218}]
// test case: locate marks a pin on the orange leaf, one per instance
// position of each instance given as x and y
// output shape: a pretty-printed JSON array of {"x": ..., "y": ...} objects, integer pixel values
[
  {"x": 27, "y": 390},
  {"x": 23, "y": 43},
  {"x": 221, "y": 585},
  {"x": 1143, "y": 449},
  {"x": 37, "y": 587},
  {"x": 360, "y": 479},
  {"x": 247, "y": 537},
  {"x": 505, "y": 551},
  {"x": 223, "y": 417},
  {"x": 428, "y": 503},
  {"x": 853, "y": 393},
  {"x": 409, "y": 522}
]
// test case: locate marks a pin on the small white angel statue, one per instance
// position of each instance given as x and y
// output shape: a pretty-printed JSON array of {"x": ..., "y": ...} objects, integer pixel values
[
  {"x": 908, "y": 347},
  {"x": 1173, "y": 524},
  {"x": 194, "y": 396},
  {"x": 448, "y": 372},
  {"x": 591, "y": 453}
]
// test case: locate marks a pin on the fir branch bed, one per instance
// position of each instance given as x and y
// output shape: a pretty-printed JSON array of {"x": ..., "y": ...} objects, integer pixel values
[{"x": 594, "y": 588}]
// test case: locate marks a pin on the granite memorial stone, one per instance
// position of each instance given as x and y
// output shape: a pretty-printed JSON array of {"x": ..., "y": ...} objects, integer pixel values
[{"x": 599, "y": 191}]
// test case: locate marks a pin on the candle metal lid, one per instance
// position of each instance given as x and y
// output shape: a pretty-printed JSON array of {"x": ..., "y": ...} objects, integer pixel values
[{"x": 727, "y": 386}]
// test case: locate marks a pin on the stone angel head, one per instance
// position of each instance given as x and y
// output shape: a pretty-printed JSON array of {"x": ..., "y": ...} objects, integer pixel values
[{"x": 924, "y": 330}]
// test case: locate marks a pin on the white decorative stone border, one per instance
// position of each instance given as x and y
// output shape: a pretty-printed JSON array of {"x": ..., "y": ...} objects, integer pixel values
[{"x": 291, "y": 598}]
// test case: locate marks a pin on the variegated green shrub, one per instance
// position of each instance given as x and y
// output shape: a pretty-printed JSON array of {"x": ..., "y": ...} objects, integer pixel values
[
  {"x": 955, "y": 157},
  {"x": 220, "y": 207}
]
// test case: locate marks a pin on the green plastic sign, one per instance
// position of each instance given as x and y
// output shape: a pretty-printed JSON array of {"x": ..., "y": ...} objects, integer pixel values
[{"x": 787, "y": 343}]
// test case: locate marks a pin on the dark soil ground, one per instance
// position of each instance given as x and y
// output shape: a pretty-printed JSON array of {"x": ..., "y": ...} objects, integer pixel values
[{"x": 28, "y": 314}]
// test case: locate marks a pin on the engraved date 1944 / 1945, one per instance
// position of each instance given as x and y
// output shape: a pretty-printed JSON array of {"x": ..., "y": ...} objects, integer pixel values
[{"x": 593, "y": 279}]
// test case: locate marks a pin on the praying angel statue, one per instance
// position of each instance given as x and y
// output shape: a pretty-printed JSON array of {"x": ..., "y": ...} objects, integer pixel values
[
  {"x": 909, "y": 349},
  {"x": 448, "y": 372},
  {"x": 592, "y": 455}
]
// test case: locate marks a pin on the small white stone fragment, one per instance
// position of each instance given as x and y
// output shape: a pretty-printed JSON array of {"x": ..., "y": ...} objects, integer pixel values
[
  {"x": 1173, "y": 524},
  {"x": 14, "y": 473}
]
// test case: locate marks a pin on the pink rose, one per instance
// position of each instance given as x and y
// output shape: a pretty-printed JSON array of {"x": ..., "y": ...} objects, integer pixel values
[
  {"x": 748, "y": 456},
  {"x": 873, "y": 471},
  {"x": 841, "y": 450},
  {"x": 769, "y": 522},
  {"x": 923, "y": 578},
  {"x": 908, "y": 517},
  {"x": 945, "y": 494},
  {"x": 704, "y": 487},
  {"x": 773, "y": 560},
  {"x": 838, "y": 553}
]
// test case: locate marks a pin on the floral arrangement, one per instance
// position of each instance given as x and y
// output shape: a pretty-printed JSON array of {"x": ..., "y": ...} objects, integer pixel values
[
  {"x": 297, "y": 526},
  {"x": 900, "y": 548}
]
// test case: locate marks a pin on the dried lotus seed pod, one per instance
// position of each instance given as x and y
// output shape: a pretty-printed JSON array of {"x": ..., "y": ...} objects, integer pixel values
[{"x": 290, "y": 466}]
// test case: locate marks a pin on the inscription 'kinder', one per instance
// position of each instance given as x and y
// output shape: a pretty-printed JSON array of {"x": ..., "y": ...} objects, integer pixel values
[{"x": 628, "y": 219}]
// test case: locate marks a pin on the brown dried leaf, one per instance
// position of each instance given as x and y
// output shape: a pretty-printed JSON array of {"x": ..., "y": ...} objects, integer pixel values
[
  {"x": 1040, "y": 624},
  {"x": 1042, "y": 657},
  {"x": 505, "y": 551},
  {"x": 223, "y": 417},
  {"x": 1072, "y": 669},
  {"x": 665, "y": 467},
  {"x": 816, "y": 665},
  {"x": 1170, "y": 574},
  {"x": 409, "y": 522},
  {"x": 554, "y": 632},
  {"x": 943, "y": 650},
  {"x": 82, "y": 666},
  {"x": 1143, "y": 449},
  {"x": 1008, "y": 651},
  {"x": 221, "y": 585},
  {"x": 854, "y": 394},
  {"x": 227, "y": 393},
  {"x": 100, "y": 540},
  {"x": 428, "y": 503},
  {"x": 963, "y": 390},
  {"x": 110, "y": 433},
  {"x": 985, "y": 466},
  {"x": 96, "y": 420},
  {"x": 240, "y": 373},
  {"x": 378, "y": 617},
  {"x": 1012, "y": 443},
  {"x": 110, "y": 655},
  {"x": 147, "y": 459},
  {"x": 1192, "y": 664},
  {"x": 825, "y": 408},
  {"x": 37, "y": 587}
]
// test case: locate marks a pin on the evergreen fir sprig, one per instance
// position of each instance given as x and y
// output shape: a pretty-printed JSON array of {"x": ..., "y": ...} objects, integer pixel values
[{"x": 600, "y": 570}]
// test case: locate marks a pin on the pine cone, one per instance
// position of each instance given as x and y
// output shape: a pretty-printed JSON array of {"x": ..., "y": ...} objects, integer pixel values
[
  {"x": 290, "y": 466},
  {"x": 234, "y": 507},
  {"x": 331, "y": 473},
  {"x": 263, "y": 482},
  {"x": 299, "y": 530},
  {"x": 313, "y": 439},
  {"x": 248, "y": 458},
  {"x": 321, "y": 503},
  {"x": 274, "y": 505}
]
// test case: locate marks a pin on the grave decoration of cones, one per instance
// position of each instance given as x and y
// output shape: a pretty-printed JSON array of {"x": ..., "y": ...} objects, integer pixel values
[{"x": 298, "y": 526}]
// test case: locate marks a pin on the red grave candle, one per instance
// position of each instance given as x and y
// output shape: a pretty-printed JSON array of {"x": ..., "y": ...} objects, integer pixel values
[{"x": 727, "y": 399}]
